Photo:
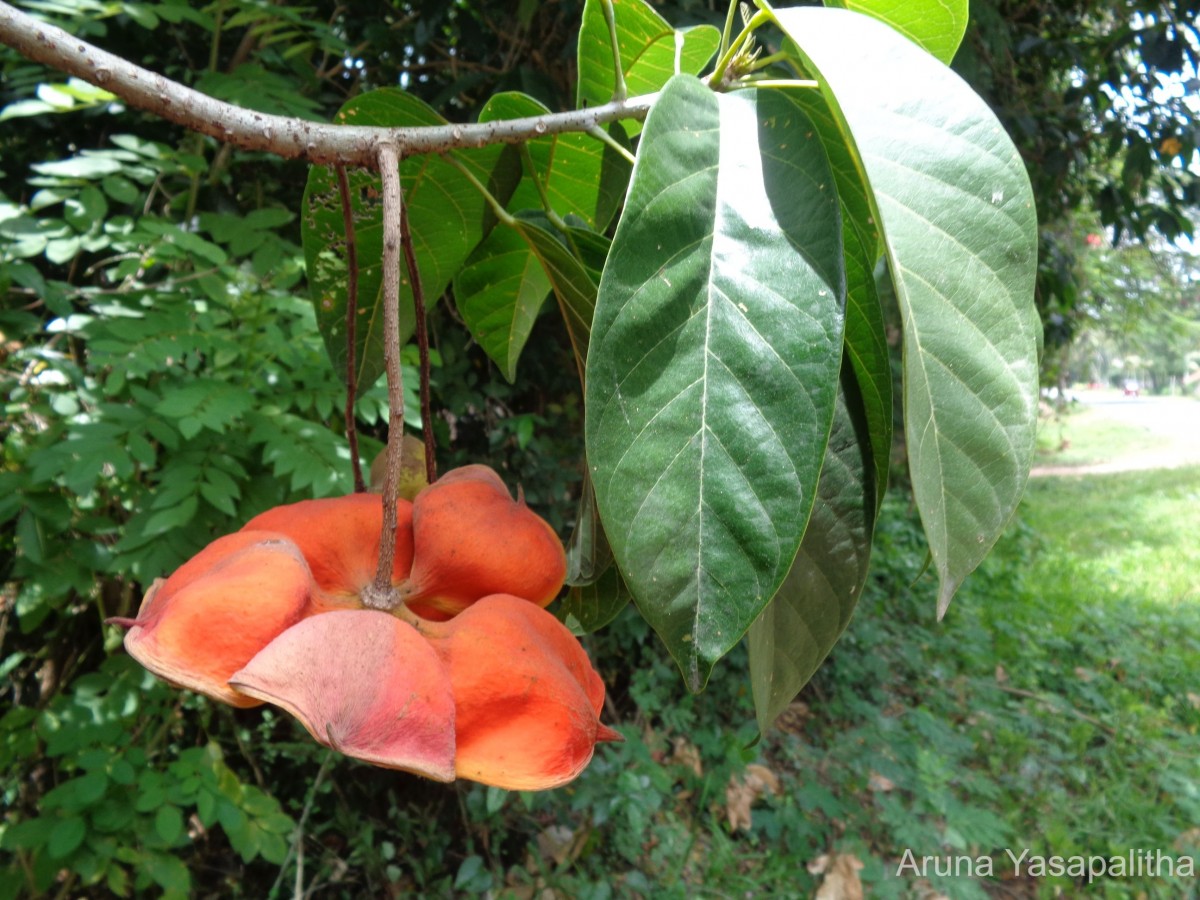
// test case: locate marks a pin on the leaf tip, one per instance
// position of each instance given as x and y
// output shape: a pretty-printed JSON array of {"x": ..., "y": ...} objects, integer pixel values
[{"x": 945, "y": 595}]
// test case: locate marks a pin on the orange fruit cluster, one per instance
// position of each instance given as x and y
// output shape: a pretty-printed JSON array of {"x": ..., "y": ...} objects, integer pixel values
[{"x": 469, "y": 677}]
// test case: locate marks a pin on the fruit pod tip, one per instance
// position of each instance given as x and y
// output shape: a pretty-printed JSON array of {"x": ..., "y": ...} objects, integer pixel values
[{"x": 606, "y": 734}]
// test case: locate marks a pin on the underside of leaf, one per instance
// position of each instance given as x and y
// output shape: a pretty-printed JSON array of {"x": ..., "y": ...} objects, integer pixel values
[{"x": 957, "y": 218}]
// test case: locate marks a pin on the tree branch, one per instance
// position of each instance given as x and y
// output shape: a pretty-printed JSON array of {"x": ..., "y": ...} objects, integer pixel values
[{"x": 350, "y": 145}]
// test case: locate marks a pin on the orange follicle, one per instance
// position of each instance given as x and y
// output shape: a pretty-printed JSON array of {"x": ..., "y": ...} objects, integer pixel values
[
  {"x": 339, "y": 536},
  {"x": 527, "y": 700},
  {"x": 471, "y": 539},
  {"x": 218, "y": 610},
  {"x": 468, "y": 678}
]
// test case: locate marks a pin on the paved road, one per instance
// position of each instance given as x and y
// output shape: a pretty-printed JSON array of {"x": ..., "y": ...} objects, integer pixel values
[{"x": 1173, "y": 421}]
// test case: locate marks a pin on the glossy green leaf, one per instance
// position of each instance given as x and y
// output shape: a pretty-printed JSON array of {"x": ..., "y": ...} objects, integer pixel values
[
  {"x": 801, "y": 624},
  {"x": 499, "y": 293},
  {"x": 936, "y": 26},
  {"x": 504, "y": 283},
  {"x": 651, "y": 52},
  {"x": 714, "y": 361},
  {"x": 448, "y": 217},
  {"x": 867, "y": 351},
  {"x": 866, "y": 340},
  {"x": 953, "y": 202},
  {"x": 567, "y": 263},
  {"x": 564, "y": 259},
  {"x": 589, "y": 607},
  {"x": 853, "y": 190},
  {"x": 582, "y": 176},
  {"x": 588, "y": 550}
]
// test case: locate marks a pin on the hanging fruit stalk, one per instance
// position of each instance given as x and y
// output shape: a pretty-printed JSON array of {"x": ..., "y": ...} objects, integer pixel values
[{"x": 381, "y": 594}]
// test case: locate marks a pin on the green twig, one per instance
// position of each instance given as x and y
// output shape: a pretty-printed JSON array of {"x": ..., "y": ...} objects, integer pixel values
[
  {"x": 214, "y": 49},
  {"x": 620, "y": 91},
  {"x": 295, "y": 850},
  {"x": 27, "y": 868},
  {"x": 727, "y": 33}
]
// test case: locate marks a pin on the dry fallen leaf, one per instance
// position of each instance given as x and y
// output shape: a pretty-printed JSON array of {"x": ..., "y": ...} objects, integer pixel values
[
  {"x": 793, "y": 719},
  {"x": 554, "y": 843},
  {"x": 740, "y": 794},
  {"x": 880, "y": 783},
  {"x": 1193, "y": 699},
  {"x": 686, "y": 754},
  {"x": 1188, "y": 839},
  {"x": 760, "y": 775},
  {"x": 841, "y": 880},
  {"x": 1001, "y": 675},
  {"x": 738, "y": 800}
]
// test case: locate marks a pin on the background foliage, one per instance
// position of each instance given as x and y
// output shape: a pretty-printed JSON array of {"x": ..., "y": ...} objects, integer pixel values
[
  {"x": 164, "y": 380},
  {"x": 1101, "y": 100}
]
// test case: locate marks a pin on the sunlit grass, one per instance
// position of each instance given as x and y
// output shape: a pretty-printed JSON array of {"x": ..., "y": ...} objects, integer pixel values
[
  {"x": 1080, "y": 437},
  {"x": 1135, "y": 534}
]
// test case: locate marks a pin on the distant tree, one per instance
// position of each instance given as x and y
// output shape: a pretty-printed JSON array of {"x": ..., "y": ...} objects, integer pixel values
[
  {"x": 1139, "y": 314},
  {"x": 1101, "y": 100}
]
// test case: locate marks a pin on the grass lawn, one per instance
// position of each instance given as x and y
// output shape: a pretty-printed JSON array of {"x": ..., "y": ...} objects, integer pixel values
[
  {"x": 1135, "y": 534},
  {"x": 1083, "y": 436}
]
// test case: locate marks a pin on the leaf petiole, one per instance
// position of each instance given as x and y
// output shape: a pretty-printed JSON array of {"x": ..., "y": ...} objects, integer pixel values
[
  {"x": 770, "y": 60},
  {"x": 774, "y": 83},
  {"x": 605, "y": 138},
  {"x": 527, "y": 161},
  {"x": 497, "y": 207},
  {"x": 727, "y": 33}
]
